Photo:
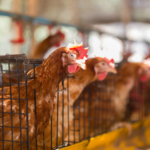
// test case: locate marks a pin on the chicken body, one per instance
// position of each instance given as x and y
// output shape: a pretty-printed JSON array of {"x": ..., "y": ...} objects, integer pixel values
[
  {"x": 40, "y": 91},
  {"x": 63, "y": 109},
  {"x": 126, "y": 79},
  {"x": 98, "y": 111}
]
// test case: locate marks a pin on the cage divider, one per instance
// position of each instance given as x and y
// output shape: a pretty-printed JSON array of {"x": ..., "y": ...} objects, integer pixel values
[
  {"x": 1, "y": 73},
  {"x": 19, "y": 104},
  {"x": 84, "y": 113},
  {"x": 57, "y": 114},
  {"x": 27, "y": 122},
  {"x": 63, "y": 113},
  {"x": 68, "y": 109},
  {"x": 35, "y": 108},
  {"x": 10, "y": 103},
  {"x": 89, "y": 98},
  {"x": 79, "y": 116}
]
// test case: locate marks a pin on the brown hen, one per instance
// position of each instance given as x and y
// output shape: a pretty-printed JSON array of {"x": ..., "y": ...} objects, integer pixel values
[
  {"x": 40, "y": 92},
  {"x": 96, "y": 68},
  {"x": 98, "y": 112}
]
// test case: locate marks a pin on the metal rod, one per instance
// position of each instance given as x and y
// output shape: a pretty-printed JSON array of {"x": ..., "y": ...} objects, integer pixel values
[
  {"x": 35, "y": 107},
  {"x": 57, "y": 114},
  {"x": 63, "y": 113},
  {"x": 27, "y": 121},
  {"x": 51, "y": 132},
  {"x": 84, "y": 112},
  {"x": 68, "y": 109},
  {"x": 79, "y": 117},
  {"x": 1, "y": 71},
  {"x": 19, "y": 104},
  {"x": 10, "y": 104},
  {"x": 89, "y": 98}
]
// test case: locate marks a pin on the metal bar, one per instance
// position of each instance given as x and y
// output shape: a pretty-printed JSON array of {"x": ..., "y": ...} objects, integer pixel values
[
  {"x": 1, "y": 71},
  {"x": 99, "y": 112},
  {"x": 62, "y": 113},
  {"x": 96, "y": 110},
  {"x": 35, "y": 107},
  {"x": 26, "y": 87},
  {"x": 12, "y": 141},
  {"x": 11, "y": 104},
  {"x": 13, "y": 112},
  {"x": 33, "y": 19},
  {"x": 14, "y": 127},
  {"x": 39, "y": 20},
  {"x": 74, "y": 122},
  {"x": 19, "y": 105},
  {"x": 79, "y": 117},
  {"x": 84, "y": 112},
  {"x": 89, "y": 99},
  {"x": 68, "y": 108},
  {"x": 57, "y": 114},
  {"x": 13, "y": 99},
  {"x": 51, "y": 132}
]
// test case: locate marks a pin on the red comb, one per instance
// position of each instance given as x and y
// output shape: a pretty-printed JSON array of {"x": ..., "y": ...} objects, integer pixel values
[
  {"x": 109, "y": 61},
  {"x": 82, "y": 51}
]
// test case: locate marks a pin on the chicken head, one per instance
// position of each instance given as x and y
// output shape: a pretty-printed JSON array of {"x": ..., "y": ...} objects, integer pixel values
[
  {"x": 102, "y": 68},
  {"x": 75, "y": 57}
]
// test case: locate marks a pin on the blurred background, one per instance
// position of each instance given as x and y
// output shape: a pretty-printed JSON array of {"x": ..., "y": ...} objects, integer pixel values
[{"x": 108, "y": 27}]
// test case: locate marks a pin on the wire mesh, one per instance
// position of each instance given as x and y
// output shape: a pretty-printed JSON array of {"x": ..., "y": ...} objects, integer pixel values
[{"x": 72, "y": 121}]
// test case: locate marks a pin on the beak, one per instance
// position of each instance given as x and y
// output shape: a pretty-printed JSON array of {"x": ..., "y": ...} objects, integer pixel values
[
  {"x": 81, "y": 63},
  {"x": 113, "y": 70}
]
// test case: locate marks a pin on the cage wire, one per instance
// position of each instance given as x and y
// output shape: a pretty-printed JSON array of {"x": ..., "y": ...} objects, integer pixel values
[{"x": 90, "y": 115}]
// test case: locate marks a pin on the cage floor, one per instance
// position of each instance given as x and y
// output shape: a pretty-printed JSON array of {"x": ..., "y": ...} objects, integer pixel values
[{"x": 120, "y": 139}]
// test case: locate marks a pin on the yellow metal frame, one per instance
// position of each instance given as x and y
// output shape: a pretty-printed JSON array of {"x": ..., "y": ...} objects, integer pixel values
[{"x": 119, "y": 139}]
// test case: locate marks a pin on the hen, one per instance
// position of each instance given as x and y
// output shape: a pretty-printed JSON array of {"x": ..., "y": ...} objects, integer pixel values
[
  {"x": 95, "y": 68},
  {"x": 127, "y": 78},
  {"x": 42, "y": 48},
  {"x": 99, "y": 113},
  {"x": 20, "y": 103}
]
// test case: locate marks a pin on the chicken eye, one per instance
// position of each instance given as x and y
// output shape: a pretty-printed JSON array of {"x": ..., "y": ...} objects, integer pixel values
[
  {"x": 103, "y": 63},
  {"x": 72, "y": 55}
]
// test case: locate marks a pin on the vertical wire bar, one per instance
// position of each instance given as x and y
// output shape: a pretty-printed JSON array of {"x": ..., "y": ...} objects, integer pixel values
[
  {"x": 74, "y": 122},
  {"x": 63, "y": 113},
  {"x": 84, "y": 112},
  {"x": 79, "y": 117},
  {"x": 2, "y": 105},
  {"x": 89, "y": 98},
  {"x": 100, "y": 112},
  {"x": 27, "y": 121},
  {"x": 51, "y": 132},
  {"x": 19, "y": 103},
  {"x": 35, "y": 106},
  {"x": 10, "y": 103},
  {"x": 138, "y": 98},
  {"x": 68, "y": 107},
  {"x": 57, "y": 115},
  {"x": 96, "y": 108},
  {"x": 104, "y": 108}
]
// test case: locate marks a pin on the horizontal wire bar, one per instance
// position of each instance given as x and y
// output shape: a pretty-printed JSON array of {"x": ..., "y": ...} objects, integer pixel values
[
  {"x": 12, "y": 141},
  {"x": 12, "y": 99},
  {"x": 13, "y": 113},
  {"x": 14, "y": 127}
]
